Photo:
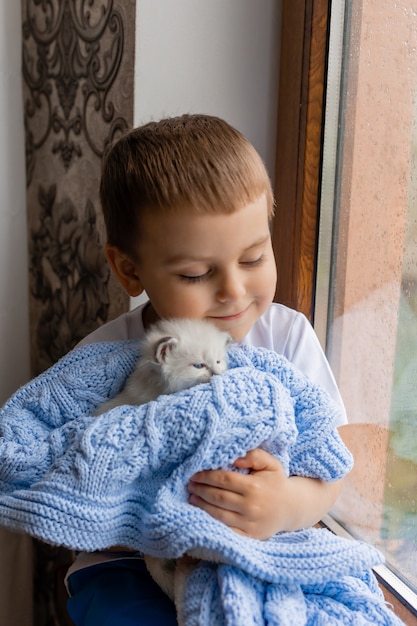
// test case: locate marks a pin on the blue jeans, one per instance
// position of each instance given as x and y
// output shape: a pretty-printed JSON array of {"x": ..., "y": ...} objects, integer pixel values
[{"x": 118, "y": 593}]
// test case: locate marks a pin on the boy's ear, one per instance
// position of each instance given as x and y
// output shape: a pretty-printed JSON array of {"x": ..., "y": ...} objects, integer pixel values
[{"x": 125, "y": 270}]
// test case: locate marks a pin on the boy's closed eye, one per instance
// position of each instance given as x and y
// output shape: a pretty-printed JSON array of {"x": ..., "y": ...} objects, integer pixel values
[
  {"x": 195, "y": 278},
  {"x": 254, "y": 262}
]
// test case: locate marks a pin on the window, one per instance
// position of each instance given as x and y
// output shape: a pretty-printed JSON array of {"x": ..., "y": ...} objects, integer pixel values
[{"x": 366, "y": 294}]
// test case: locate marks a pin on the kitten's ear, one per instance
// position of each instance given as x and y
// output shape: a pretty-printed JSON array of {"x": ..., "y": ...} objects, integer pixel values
[{"x": 163, "y": 347}]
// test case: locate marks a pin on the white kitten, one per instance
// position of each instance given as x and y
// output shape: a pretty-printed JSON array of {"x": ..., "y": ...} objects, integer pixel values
[{"x": 175, "y": 354}]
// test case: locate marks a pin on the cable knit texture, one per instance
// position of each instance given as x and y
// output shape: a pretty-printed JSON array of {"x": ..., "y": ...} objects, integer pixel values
[{"x": 120, "y": 479}]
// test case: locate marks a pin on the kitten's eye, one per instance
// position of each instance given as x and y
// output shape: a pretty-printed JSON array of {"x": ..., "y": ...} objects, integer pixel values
[
  {"x": 199, "y": 366},
  {"x": 218, "y": 362}
]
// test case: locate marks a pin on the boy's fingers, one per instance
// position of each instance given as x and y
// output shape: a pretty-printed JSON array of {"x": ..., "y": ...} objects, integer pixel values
[
  {"x": 233, "y": 519},
  {"x": 201, "y": 494},
  {"x": 258, "y": 460},
  {"x": 229, "y": 517},
  {"x": 221, "y": 479}
]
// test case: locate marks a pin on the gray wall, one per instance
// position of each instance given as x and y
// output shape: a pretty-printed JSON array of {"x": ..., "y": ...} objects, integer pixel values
[{"x": 14, "y": 315}]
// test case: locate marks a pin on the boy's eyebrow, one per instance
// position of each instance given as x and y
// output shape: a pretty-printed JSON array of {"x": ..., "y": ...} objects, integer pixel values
[{"x": 181, "y": 258}]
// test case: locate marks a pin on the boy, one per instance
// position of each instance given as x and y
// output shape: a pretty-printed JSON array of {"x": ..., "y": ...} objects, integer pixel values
[{"x": 187, "y": 204}]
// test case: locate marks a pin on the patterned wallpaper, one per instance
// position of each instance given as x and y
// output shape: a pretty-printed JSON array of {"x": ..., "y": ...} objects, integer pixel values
[
  {"x": 78, "y": 80},
  {"x": 78, "y": 76}
]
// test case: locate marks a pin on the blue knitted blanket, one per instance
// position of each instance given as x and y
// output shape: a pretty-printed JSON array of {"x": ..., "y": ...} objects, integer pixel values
[{"x": 88, "y": 483}]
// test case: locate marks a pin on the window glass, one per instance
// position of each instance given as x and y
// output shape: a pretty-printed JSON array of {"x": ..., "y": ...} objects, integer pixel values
[{"x": 366, "y": 299}]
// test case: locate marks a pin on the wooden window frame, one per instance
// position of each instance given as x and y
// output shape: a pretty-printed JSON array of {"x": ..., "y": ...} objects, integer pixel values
[{"x": 303, "y": 61}]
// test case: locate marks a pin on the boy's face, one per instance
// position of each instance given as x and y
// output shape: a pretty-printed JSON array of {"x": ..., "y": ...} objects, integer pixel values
[{"x": 216, "y": 267}]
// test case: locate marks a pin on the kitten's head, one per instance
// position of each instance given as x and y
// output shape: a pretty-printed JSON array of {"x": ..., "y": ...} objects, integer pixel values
[{"x": 187, "y": 352}]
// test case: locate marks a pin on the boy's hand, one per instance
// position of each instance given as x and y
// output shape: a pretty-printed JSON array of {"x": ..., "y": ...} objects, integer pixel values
[
  {"x": 250, "y": 503},
  {"x": 263, "y": 502}
]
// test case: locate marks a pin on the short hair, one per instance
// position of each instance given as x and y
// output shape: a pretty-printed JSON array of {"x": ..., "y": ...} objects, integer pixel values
[{"x": 194, "y": 162}]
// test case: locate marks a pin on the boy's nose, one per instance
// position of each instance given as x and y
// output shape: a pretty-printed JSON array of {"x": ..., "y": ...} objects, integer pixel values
[{"x": 230, "y": 288}]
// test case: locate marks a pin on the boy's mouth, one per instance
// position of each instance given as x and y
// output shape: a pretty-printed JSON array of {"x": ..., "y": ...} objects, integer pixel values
[{"x": 231, "y": 316}]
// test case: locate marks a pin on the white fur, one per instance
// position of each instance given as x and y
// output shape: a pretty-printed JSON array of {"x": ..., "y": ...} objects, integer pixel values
[{"x": 175, "y": 354}]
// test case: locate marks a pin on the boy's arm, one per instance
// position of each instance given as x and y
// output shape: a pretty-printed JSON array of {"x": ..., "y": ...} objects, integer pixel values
[{"x": 264, "y": 501}]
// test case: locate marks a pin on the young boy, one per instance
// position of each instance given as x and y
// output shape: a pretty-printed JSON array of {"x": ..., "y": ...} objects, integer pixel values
[{"x": 187, "y": 204}]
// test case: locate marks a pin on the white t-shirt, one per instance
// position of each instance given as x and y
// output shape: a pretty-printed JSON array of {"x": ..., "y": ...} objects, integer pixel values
[{"x": 280, "y": 328}]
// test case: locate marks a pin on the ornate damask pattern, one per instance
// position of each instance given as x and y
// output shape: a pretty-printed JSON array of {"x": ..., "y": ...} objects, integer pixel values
[
  {"x": 78, "y": 64},
  {"x": 69, "y": 274},
  {"x": 72, "y": 54},
  {"x": 78, "y": 81}
]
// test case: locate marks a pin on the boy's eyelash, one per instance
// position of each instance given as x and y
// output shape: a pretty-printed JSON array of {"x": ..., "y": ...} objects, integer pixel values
[
  {"x": 194, "y": 279},
  {"x": 200, "y": 277},
  {"x": 255, "y": 262}
]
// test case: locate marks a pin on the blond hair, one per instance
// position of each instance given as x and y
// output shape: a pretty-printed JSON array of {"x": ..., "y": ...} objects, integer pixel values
[{"x": 193, "y": 162}]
